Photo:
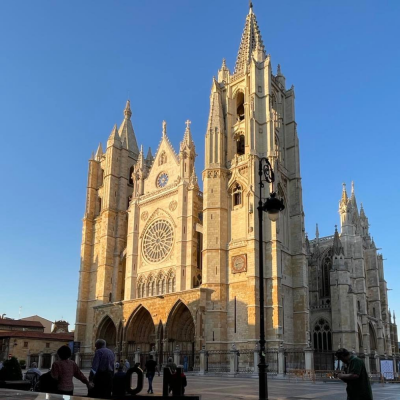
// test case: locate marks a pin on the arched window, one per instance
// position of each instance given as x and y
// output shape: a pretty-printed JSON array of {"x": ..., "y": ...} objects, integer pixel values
[
  {"x": 240, "y": 145},
  {"x": 130, "y": 180},
  {"x": 159, "y": 285},
  {"x": 326, "y": 271},
  {"x": 322, "y": 335},
  {"x": 358, "y": 306},
  {"x": 240, "y": 106},
  {"x": 360, "y": 340},
  {"x": 140, "y": 289},
  {"x": 171, "y": 283},
  {"x": 237, "y": 195},
  {"x": 101, "y": 176},
  {"x": 372, "y": 338}
]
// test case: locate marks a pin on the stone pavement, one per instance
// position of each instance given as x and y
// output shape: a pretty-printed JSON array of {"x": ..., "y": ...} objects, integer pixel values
[{"x": 223, "y": 387}]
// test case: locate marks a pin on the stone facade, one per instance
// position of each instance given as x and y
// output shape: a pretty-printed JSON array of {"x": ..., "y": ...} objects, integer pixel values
[
  {"x": 164, "y": 265},
  {"x": 160, "y": 265},
  {"x": 348, "y": 292}
]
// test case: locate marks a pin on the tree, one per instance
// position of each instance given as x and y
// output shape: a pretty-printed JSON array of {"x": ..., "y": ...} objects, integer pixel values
[{"x": 11, "y": 370}]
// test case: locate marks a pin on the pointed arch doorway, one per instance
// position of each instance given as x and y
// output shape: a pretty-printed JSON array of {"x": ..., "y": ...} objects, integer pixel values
[
  {"x": 140, "y": 332},
  {"x": 108, "y": 332},
  {"x": 180, "y": 330}
]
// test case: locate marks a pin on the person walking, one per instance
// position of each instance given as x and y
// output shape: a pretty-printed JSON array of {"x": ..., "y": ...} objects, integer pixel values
[
  {"x": 102, "y": 371},
  {"x": 151, "y": 369},
  {"x": 64, "y": 370},
  {"x": 356, "y": 376}
]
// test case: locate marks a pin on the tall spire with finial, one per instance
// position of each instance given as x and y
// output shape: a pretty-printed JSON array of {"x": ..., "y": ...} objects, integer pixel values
[
  {"x": 337, "y": 244},
  {"x": 251, "y": 41},
  {"x": 126, "y": 131}
]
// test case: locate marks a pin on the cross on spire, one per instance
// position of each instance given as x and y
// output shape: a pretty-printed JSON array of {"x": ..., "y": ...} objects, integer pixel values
[{"x": 188, "y": 122}]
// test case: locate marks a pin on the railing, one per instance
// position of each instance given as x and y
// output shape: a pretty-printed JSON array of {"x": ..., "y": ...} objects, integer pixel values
[
  {"x": 245, "y": 364},
  {"x": 294, "y": 360},
  {"x": 218, "y": 361}
]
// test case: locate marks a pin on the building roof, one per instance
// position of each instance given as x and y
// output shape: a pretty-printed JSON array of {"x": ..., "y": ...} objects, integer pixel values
[
  {"x": 38, "y": 335},
  {"x": 34, "y": 316},
  {"x": 18, "y": 322}
]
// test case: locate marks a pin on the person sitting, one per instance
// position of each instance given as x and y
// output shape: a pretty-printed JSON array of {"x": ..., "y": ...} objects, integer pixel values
[
  {"x": 33, "y": 374},
  {"x": 118, "y": 383},
  {"x": 64, "y": 370}
]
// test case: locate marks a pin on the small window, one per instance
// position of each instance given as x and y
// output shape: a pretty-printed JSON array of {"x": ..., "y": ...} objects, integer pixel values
[
  {"x": 240, "y": 106},
  {"x": 47, "y": 345},
  {"x": 130, "y": 181},
  {"x": 374, "y": 312},
  {"x": 237, "y": 195},
  {"x": 359, "y": 306},
  {"x": 240, "y": 146},
  {"x": 25, "y": 344}
]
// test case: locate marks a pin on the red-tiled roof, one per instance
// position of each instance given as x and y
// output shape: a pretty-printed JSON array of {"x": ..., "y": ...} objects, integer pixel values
[
  {"x": 38, "y": 335},
  {"x": 18, "y": 322}
]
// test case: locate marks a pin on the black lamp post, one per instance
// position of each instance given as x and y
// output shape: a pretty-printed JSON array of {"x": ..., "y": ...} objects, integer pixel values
[{"x": 272, "y": 206}]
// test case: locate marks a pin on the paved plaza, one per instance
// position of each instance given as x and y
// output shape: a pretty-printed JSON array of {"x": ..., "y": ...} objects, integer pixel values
[{"x": 279, "y": 389}]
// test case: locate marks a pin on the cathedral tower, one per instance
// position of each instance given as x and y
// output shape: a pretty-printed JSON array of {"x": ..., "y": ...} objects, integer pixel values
[
  {"x": 252, "y": 115},
  {"x": 105, "y": 225}
]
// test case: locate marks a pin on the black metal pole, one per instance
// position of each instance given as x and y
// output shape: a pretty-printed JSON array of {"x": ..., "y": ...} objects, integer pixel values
[{"x": 262, "y": 367}]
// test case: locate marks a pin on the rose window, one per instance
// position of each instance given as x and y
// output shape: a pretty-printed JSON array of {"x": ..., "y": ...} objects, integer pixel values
[{"x": 158, "y": 241}]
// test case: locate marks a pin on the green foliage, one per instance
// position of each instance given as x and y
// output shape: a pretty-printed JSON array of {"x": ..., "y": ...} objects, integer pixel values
[
  {"x": 22, "y": 363},
  {"x": 11, "y": 370}
]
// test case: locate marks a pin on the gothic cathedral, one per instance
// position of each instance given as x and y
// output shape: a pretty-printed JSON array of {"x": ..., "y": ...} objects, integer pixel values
[{"x": 166, "y": 266}]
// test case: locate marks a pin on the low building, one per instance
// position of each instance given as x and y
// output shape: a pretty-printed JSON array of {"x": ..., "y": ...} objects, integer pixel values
[
  {"x": 7, "y": 324},
  {"x": 32, "y": 346},
  {"x": 27, "y": 340},
  {"x": 45, "y": 322}
]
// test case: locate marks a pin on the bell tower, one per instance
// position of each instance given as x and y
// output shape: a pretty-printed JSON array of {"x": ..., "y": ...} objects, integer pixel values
[{"x": 252, "y": 116}]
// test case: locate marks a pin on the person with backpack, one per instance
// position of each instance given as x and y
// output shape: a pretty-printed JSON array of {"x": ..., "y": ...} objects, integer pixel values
[{"x": 64, "y": 370}]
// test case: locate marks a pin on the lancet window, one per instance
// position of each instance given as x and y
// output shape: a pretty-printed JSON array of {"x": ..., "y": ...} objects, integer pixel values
[
  {"x": 237, "y": 195},
  {"x": 322, "y": 335},
  {"x": 326, "y": 266}
]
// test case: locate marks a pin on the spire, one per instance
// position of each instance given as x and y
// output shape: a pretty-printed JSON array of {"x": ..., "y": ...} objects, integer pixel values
[
  {"x": 141, "y": 162},
  {"x": 251, "y": 41},
  {"x": 114, "y": 137},
  {"x": 362, "y": 213},
  {"x": 187, "y": 137},
  {"x": 215, "y": 135},
  {"x": 164, "y": 128},
  {"x": 337, "y": 244},
  {"x": 278, "y": 71},
  {"x": 316, "y": 231},
  {"x": 223, "y": 72},
  {"x": 149, "y": 156},
  {"x": 344, "y": 193},
  {"x": 353, "y": 195},
  {"x": 99, "y": 152},
  {"x": 126, "y": 131}
]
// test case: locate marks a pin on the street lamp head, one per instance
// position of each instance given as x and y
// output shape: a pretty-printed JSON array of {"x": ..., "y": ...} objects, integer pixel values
[{"x": 273, "y": 206}]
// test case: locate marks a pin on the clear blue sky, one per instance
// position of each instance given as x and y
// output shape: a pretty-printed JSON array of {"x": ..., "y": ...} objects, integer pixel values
[{"x": 67, "y": 69}]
